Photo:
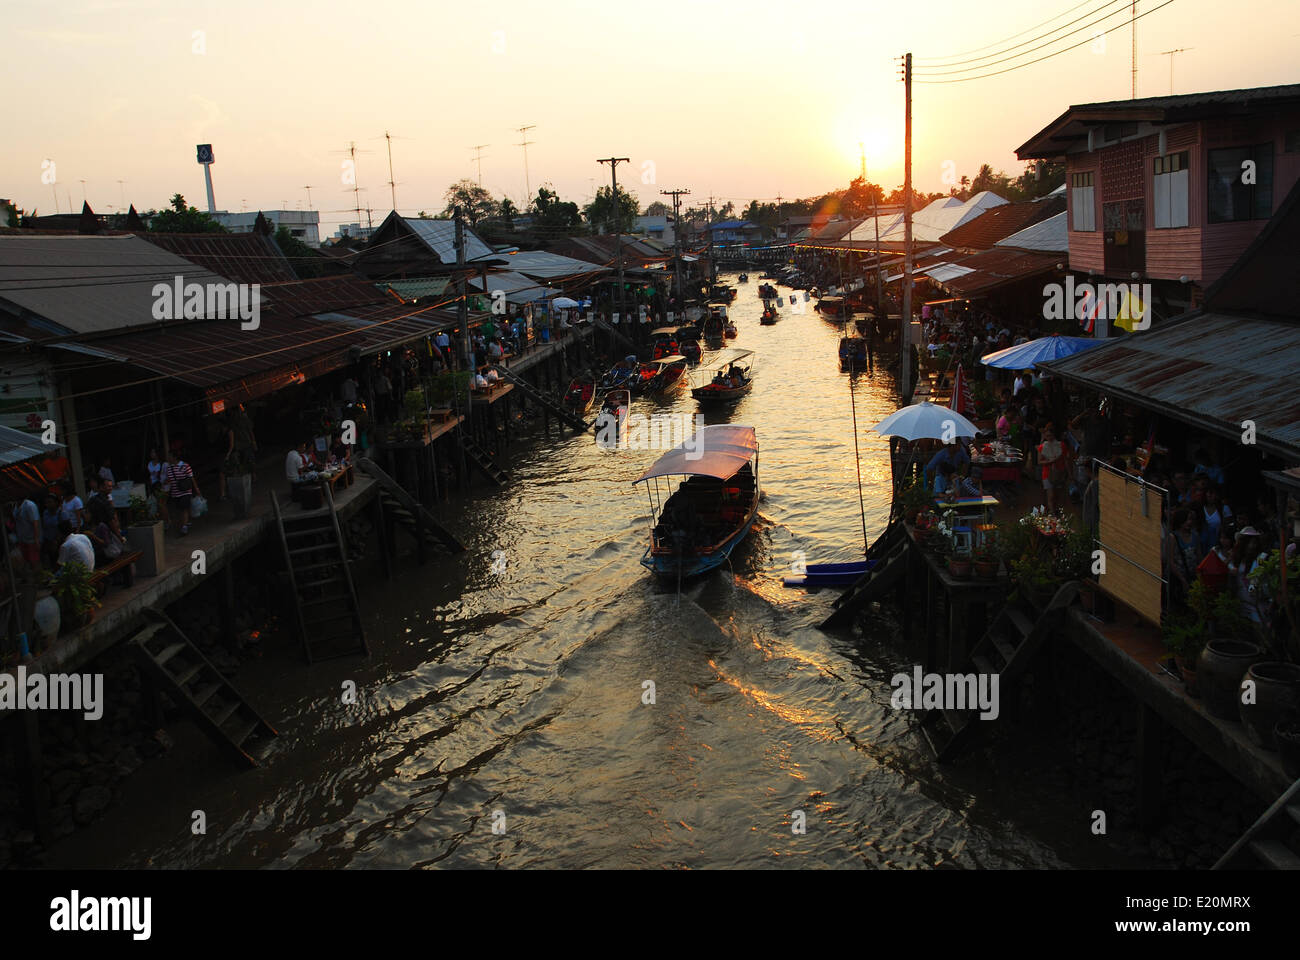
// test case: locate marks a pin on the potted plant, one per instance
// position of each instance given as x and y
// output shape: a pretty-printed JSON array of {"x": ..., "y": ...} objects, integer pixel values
[
  {"x": 985, "y": 558},
  {"x": 1184, "y": 634},
  {"x": 144, "y": 533},
  {"x": 913, "y": 498},
  {"x": 75, "y": 594}
]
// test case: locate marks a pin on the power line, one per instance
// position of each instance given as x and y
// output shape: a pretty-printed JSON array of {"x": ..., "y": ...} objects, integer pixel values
[
  {"x": 1050, "y": 55},
  {"x": 1012, "y": 37},
  {"x": 982, "y": 66}
]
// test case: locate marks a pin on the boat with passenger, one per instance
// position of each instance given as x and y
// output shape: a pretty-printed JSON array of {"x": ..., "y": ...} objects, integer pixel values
[
  {"x": 728, "y": 377},
  {"x": 660, "y": 377},
  {"x": 698, "y": 525}
]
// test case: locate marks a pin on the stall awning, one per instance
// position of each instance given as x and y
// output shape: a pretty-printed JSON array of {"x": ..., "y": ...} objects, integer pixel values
[{"x": 1212, "y": 370}]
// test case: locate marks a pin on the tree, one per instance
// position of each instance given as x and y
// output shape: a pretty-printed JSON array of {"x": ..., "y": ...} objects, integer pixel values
[
  {"x": 305, "y": 261},
  {"x": 657, "y": 209},
  {"x": 508, "y": 211},
  {"x": 609, "y": 214},
  {"x": 550, "y": 211},
  {"x": 423, "y": 216},
  {"x": 474, "y": 201},
  {"x": 182, "y": 219}
]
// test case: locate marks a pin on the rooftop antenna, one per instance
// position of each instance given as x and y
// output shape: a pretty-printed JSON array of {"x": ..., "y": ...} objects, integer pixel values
[
  {"x": 1170, "y": 55},
  {"x": 121, "y": 186},
  {"x": 1133, "y": 54},
  {"x": 478, "y": 158},
  {"x": 83, "y": 190},
  {"x": 528, "y": 187},
  {"x": 307, "y": 187},
  {"x": 392, "y": 184}
]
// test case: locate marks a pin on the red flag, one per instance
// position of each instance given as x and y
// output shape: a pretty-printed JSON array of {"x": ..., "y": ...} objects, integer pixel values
[{"x": 962, "y": 399}]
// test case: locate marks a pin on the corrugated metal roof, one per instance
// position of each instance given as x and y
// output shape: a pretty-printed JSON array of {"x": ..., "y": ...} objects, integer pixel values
[
  {"x": 518, "y": 288},
  {"x": 542, "y": 265},
  {"x": 1213, "y": 370},
  {"x": 242, "y": 257},
  {"x": 1051, "y": 235},
  {"x": 440, "y": 237},
  {"x": 982, "y": 232},
  {"x": 87, "y": 284},
  {"x": 943, "y": 272},
  {"x": 416, "y": 288},
  {"x": 996, "y": 267},
  {"x": 17, "y": 446}
]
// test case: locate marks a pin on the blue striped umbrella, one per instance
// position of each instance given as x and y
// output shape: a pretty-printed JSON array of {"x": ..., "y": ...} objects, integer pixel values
[{"x": 1023, "y": 356}]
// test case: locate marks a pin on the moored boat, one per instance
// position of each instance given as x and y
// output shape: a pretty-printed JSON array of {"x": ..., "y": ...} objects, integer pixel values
[
  {"x": 620, "y": 374},
  {"x": 664, "y": 342},
  {"x": 580, "y": 395},
  {"x": 688, "y": 342},
  {"x": 613, "y": 416},
  {"x": 660, "y": 377},
  {"x": 696, "y": 528}
]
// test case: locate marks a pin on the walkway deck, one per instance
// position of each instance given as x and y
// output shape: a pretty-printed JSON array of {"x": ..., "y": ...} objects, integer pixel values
[
  {"x": 223, "y": 540},
  {"x": 1130, "y": 654}
]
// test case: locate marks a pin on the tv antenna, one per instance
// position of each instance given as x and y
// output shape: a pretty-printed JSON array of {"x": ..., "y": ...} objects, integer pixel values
[
  {"x": 1170, "y": 55},
  {"x": 523, "y": 131},
  {"x": 478, "y": 158}
]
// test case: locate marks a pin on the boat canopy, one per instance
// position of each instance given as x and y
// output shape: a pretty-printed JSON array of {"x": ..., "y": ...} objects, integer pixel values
[
  {"x": 663, "y": 332},
  {"x": 664, "y": 361},
  {"x": 716, "y": 451},
  {"x": 730, "y": 355}
]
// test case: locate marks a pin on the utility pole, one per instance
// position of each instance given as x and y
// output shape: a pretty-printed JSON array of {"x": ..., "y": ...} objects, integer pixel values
[
  {"x": 392, "y": 183},
  {"x": 677, "y": 240},
  {"x": 713, "y": 270},
  {"x": 1133, "y": 53},
  {"x": 528, "y": 187},
  {"x": 478, "y": 158},
  {"x": 462, "y": 315},
  {"x": 1170, "y": 55},
  {"x": 618, "y": 231},
  {"x": 905, "y": 372}
]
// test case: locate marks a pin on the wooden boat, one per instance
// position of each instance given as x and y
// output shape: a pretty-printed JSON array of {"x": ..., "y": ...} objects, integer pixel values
[
  {"x": 660, "y": 377},
  {"x": 853, "y": 353},
  {"x": 700, "y": 523},
  {"x": 580, "y": 395},
  {"x": 715, "y": 325},
  {"x": 830, "y": 574},
  {"x": 688, "y": 340},
  {"x": 664, "y": 342},
  {"x": 730, "y": 331},
  {"x": 770, "y": 315},
  {"x": 620, "y": 374},
  {"x": 743, "y": 278},
  {"x": 728, "y": 377},
  {"x": 766, "y": 291},
  {"x": 612, "y": 418},
  {"x": 833, "y": 308}
]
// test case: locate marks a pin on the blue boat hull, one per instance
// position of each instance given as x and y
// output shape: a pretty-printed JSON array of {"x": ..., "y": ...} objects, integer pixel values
[{"x": 667, "y": 566}]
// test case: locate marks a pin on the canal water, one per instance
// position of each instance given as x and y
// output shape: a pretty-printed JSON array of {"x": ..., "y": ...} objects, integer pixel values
[{"x": 516, "y": 698}]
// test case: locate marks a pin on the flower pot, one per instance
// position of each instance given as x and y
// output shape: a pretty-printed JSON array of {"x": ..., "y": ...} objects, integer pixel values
[
  {"x": 960, "y": 569},
  {"x": 1188, "y": 671},
  {"x": 1276, "y": 697},
  {"x": 1219, "y": 670},
  {"x": 148, "y": 538},
  {"x": 986, "y": 569},
  {"x": 1287, "y": 735}
]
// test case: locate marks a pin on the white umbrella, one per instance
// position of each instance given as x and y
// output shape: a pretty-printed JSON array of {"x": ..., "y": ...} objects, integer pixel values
[
  {"x": 926, "y": 421},
  {"x": 564, "y": 303}
]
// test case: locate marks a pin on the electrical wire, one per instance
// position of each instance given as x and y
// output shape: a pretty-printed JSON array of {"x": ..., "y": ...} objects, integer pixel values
[
  {"x": 1042, "y": 46},
  {"x": 958, "y": 63},
  {"x": 1050, "y": 55},
  {"x": 964, "y": 53}
]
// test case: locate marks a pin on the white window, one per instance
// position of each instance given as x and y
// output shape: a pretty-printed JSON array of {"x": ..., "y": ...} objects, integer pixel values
[
  {"x": 1083, "y": 212},
  {"x": 1169, "y": 190}
]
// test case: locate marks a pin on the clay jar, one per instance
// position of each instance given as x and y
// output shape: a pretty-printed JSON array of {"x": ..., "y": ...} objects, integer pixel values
[
  {"x": 1218, "y": 675},
  {"x": 1276, "y": 697}
]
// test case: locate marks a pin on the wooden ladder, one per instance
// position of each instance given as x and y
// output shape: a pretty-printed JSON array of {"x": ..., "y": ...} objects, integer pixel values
[
  {"x": 483, "y": 460},
  {"x": 890, "y": 555},
  {"x": 1273, "y": 841},
  {"x": 545, "y": 399},
  {"x": 181, "y": 670},
  {"x": 413, "y": 516},
  {"x": 1008, "y": 646},
  {"x": 326, "y": 609}
]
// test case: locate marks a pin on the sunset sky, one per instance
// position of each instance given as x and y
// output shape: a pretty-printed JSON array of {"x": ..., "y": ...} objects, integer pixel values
[{"x": 741, "y": 100}]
